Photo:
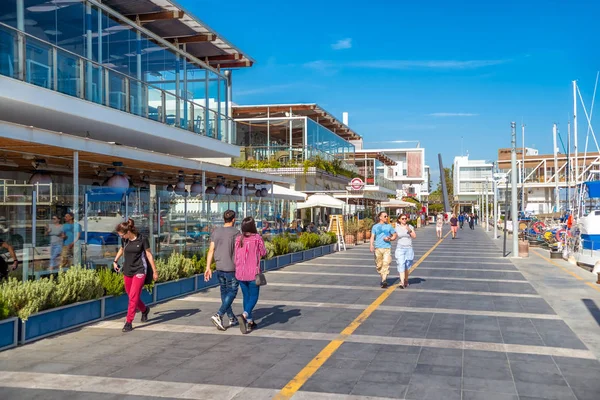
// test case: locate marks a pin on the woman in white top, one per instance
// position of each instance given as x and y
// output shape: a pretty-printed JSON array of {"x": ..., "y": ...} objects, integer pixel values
[{"x": 404, "y": 250}]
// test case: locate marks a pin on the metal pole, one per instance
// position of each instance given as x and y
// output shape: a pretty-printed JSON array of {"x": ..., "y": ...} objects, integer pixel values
[
  {"x": 21, "y": 39},
  {"x": 556, "y": 190},
  {"x": 495, "y": 215},
  {"x": 523, "y": 171},
  {"x": 505, "y": 216},
  {"x": 514, "y": 208},
  {"x": 487, "y": 209},
  {"x": 77, "y": 244}
]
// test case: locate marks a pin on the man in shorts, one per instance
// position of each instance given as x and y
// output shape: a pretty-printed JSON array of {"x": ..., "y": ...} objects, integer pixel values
[
  {"x": 382, "y": 236},
  {"x": 222, "y": 247}
]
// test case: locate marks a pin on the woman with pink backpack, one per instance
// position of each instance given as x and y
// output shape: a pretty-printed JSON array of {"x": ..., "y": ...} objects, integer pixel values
[{"x": 249, "y": 249}]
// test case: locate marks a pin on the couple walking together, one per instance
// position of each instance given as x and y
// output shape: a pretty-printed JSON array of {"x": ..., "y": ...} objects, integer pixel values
[
  {"x": 237, "y": 256},
  {"x": 382, "y": 236}
]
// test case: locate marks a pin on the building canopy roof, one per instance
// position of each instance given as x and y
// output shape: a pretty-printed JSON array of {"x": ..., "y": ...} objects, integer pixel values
[
  {"x": 312, "y": 111},
  {"x": 366, "y": 154},
  {"x": 171, "y": 22}
]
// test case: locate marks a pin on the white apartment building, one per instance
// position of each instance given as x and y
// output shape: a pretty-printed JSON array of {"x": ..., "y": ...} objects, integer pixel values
[{"x": 470, "y": 179}]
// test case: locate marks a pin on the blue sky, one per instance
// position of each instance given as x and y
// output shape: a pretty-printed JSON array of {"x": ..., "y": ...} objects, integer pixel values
[{"x": 429, "y": 71}]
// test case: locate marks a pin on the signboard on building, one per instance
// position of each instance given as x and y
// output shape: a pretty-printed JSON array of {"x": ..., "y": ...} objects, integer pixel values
[{"x": 357, "y": 184}]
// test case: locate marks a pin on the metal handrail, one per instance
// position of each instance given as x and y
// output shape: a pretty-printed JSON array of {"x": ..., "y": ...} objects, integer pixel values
[{"x": 127, "y": 80}]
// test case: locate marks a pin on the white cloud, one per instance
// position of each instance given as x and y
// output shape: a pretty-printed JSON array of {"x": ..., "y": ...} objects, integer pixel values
[
  {"x": 438, "y": 65},
  {"x": 342, "y": 44},
  {"x": 427, "y": 64},
  {"x": 448, "y": 114}
]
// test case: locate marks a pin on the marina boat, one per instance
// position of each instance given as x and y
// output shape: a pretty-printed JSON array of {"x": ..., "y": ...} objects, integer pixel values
[{"x": 587, "y": 243}]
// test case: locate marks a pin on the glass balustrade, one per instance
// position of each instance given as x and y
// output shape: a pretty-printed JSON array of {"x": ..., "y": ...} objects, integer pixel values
[{"x": 35, "y": 61}]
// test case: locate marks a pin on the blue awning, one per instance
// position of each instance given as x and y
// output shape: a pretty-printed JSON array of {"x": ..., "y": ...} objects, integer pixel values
[
  {"x": 107, "y": 194},
  {"x": 593, "y": 189}
]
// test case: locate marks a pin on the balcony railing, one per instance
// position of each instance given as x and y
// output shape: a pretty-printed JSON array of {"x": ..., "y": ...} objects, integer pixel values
[
  {"x": 35, "y": 61},
  {"x": 290, "y": 156}
]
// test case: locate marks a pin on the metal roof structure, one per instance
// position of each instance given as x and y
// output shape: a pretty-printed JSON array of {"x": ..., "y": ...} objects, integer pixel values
[
  {"x": 366, "y": 154},
  {"x": 168, "y": 20},
  {"x": 312, "y": 111}
]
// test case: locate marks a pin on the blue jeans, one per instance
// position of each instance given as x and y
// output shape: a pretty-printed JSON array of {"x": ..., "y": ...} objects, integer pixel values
[
  {"x": 404, "y": 258},
  {"x": 55, "y": 251},
  {"x": 250, "y": 292},
  {"x": 229, "y": 288}
]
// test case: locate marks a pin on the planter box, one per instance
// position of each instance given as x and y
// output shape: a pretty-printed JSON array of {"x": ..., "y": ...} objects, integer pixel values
[
  {"x": 297, "y": 257},
  {"x": 309, "y": 254},
  {"x": 200, "y": 284},
  {"x": 319, "y": 251},
  {"x": 114, "y": 305},
  {"x": 168, "y": 290},
  {"x": 60, "y": 319},
  {"x": 270, "y": 264},
  {"x": 284, "y": 260},
  {"x": 9, "y": 333}
]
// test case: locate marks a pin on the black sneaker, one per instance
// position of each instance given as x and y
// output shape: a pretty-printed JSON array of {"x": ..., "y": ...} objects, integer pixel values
[
  {"x": 145, "y": 314},
  {"x": 252, "y": 325},
  {"x": 243, "y": 324},
  {"x": 233, "y": 322},
  {"x": 217, "y": 321},
  {"x": 384, "y": 284},
  {"x": 127, "y": 327}
]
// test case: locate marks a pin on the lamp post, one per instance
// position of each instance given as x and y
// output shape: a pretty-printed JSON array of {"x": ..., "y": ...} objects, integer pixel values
[
  {"x": 487, "y": 208},
  {"x": 514, "y": 188}
]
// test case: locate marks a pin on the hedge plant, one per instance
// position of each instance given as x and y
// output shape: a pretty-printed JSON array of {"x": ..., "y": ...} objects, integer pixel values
[
  {"x": 26, "y": 298},
  {"x": 4, "y": 311},
  {"x": 77, "y": 284},
  {"x": 112, "y": 282}
]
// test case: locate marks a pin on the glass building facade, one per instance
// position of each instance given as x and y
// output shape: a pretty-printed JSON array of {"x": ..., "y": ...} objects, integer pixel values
[{"x": 76, "y": 48}]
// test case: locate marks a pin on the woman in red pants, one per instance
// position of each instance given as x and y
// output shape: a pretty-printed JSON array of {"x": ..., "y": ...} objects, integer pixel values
[{"x": 138, "y": 257}]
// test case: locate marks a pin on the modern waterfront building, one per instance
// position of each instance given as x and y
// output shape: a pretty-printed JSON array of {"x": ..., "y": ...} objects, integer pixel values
[
  {"x": 308, "y": 143},
  {"x": 539, "y": 177},
  {"x": 106, "y": 108},
  {"x": 408, "y": 173},
  {"x": 470, "y": 180}
]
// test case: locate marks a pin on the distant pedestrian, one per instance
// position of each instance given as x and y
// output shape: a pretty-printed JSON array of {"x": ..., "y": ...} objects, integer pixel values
[
  {"x": 476, "y": 218},
  {"x": 454, "y": 225},
  {"x": 4, "y": 270},
  {"x": 222, "y": 249},
  {"x": 382, "y": 235},
  {"x": 404, "y": 250},
  {"x": 249, "y": 249},
  {"x": 72, "y": 232},
  {"x": 471, "y": 222},
  {"x": 461, "y": 219},
  {"x": 439, "y": 225},
  {"x": 138, "y": 258},
  {"x": 57, "y": 236}
]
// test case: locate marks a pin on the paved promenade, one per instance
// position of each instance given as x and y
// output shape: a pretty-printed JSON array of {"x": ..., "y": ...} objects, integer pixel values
[{"x": 471, "y": 326}]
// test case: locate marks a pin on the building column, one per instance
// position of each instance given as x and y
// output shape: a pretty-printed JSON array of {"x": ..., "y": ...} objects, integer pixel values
[
  {"x": 244, "y": 195},
  {"x": 89, "y": 78},
  {"x": 21, "y": 39},
  {"x": 185, "y": 91},
  {"x": 151, "y": 218},
  {"x": 101, "y": 80},
  {"x": 228, "y": 101},
  {"x": 77, "y": 245},
  {"x": 206, "y": 104},
  {"x": 177, "y": 91}
]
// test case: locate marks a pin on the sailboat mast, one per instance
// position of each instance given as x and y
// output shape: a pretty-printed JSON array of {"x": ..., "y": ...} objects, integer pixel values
[
  {"x": 523, "y": 169},
  {"x": 575, "y": 132},
  {"x": 556, "y": 191},
  {"x": 568, "y": 199}
]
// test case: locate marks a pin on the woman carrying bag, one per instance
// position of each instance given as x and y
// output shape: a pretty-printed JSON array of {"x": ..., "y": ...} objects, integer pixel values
[
  {"x": 138, "y": 257},
  {"x": 249, "y": 249}
]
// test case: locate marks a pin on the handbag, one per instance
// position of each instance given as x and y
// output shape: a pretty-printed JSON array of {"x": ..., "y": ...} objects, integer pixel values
[{"x": 260, "y": 278}]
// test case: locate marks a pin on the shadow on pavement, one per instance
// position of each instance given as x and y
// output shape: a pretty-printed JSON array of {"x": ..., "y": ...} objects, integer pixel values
[
  {"x": 593, "y": 309},
  {"x": 169, "y": 315},
  {"x": 274, "y": 315}
]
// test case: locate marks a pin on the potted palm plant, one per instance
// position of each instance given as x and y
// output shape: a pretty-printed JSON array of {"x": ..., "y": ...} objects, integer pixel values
[{"x": 351, "y": 231}]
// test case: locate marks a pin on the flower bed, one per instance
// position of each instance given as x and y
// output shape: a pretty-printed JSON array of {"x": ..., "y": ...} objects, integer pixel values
[{"x": 80, "y": 296}]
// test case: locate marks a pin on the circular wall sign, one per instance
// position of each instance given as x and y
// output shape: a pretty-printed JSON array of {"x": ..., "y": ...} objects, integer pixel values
[{"x": 357, "y": 184}]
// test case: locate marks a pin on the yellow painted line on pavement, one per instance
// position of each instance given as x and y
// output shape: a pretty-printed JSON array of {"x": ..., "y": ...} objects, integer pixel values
[
  {"x": 313, "y": 366},
  {"x": 594, "y": 286}
]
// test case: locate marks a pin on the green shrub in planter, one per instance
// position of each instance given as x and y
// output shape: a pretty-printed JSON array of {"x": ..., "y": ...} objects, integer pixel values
[
  {"x": 296, "y": 247},
  {"x": 26, "y": 298},
  {"x": 4, "y": 311},
  {"x": 271, "y": 250},
  {"x": 332, "y": 237},
  {"x": 324, "y": 239},
  {"x": 111, "y": 282},
  {"x": 282, "y": 245},
  {"x": 310, "y": 240},
  {"x": 77, "y": 284}
]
